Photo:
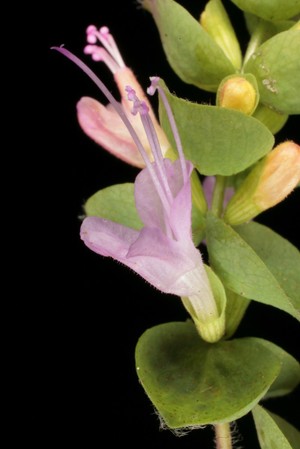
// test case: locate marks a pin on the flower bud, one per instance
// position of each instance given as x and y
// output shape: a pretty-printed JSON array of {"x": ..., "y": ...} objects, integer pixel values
[
  {"x": 215, "y": 21},
  {"x": 270, "y": 181},
  {"x": 237, "y": 92}
]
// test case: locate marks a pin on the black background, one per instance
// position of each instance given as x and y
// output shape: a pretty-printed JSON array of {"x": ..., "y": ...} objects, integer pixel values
[{"x": 86, "y": 313}]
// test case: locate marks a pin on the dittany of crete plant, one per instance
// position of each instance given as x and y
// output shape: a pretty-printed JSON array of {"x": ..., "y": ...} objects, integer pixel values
[{"x": 196, "y": 372}]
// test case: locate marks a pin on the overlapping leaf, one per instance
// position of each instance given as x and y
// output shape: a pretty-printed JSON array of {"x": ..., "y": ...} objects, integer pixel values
[
  {"x": 273, "y": 431},
  {"x": 276, "y": 66},
  {"x": 218, "y": 141},
  {"x": 270, "y": 9},
  {"x": 115, "y": 203},
  {"x": 269, "y": 274},
  {"x": 191, "y": 382},
  {"x": 191, "y": 51}
]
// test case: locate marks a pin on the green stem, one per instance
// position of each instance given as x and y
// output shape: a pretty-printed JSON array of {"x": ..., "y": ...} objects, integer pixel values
[
  {"x": 258, "y": 36},
  {"x": 198, "y": 196},
  {"x": 223, "y": 436},
  {"x": 218, "y": 195}
]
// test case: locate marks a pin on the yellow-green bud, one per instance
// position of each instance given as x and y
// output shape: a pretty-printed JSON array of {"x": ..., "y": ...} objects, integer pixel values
[
  {"x": 215, "y": 21},
  {"x": 237, "y": 93},
  {"x": 270, "y": 181}
]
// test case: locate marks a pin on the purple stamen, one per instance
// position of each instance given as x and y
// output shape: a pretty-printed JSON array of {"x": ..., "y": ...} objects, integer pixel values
[
  {"x": 156, "y": 151},
  {"x": 138, "y": 106},
  {"x": 151, "y": 90},
  {"x": 142, "y": 108}
]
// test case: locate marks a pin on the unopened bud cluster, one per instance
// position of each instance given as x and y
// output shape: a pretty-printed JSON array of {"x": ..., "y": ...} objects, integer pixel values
[{"x": 270, "y": 181}]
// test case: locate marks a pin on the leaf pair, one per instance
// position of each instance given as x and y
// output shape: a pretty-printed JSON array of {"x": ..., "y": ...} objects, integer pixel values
[{"x": 193, "y": 383}]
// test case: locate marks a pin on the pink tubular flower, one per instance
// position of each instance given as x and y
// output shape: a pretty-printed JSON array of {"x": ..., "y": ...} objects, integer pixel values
[
  {"x": 102, "y": 123},
  {"x": 162, "y": 252}
]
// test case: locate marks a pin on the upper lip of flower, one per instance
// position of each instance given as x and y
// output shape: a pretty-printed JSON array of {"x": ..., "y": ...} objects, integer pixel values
[{"x": 103, "y": 124}]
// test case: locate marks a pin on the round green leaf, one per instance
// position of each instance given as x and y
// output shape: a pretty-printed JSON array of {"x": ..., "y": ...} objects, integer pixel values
[
  {"x": 115, "y": 203},
  {"x": 191, "y": 382},
  {"x": 218, "y": 141},
  {"x": 276, "y": 66},
  {"x": 191, "y": 51},
  {"x": 273, "y": 431},
  {"x": 266, "y": 29},
  {"x": 289, "y": 376},
  {"x": 242, "y": 270},
  {"x": 278, "y": 254},
  {"x": 290, "y": 432},
  {"x": 270, "y": 9}
]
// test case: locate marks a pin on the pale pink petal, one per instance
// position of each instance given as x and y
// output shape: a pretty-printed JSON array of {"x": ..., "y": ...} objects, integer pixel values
[
  {"x": 147, "y": 201},
  {"x": 208, "y": 188},
  {"x": 107, "y": 238},
  {"x": 149, "y": 205},
  {"x": 181, "y": 214},
  {"x": 161, "y": 261},
  {"x": 229, "y": 191},
  {"x": 105, "y": 127}
]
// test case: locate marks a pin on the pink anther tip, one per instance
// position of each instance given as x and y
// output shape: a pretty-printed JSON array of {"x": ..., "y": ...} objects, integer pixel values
[
  {"x": 91, "y": 29},
  {"x": 104, "y": 30}
]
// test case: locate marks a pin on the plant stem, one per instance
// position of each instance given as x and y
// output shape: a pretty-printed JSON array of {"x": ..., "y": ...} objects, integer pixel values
[
  {"x": 218, "y": 195},
  {"x": 258, "y": 36},
  {"x": 223, "y": 436}
]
